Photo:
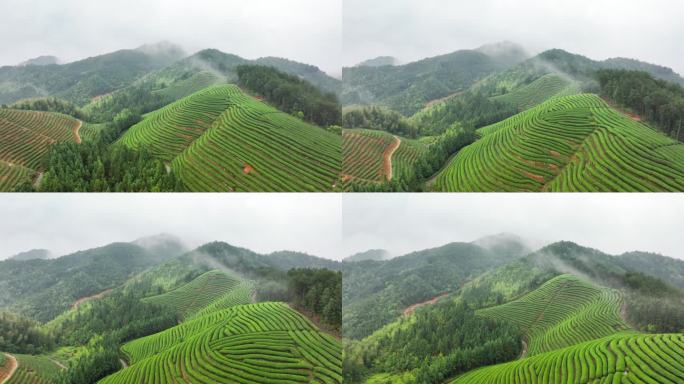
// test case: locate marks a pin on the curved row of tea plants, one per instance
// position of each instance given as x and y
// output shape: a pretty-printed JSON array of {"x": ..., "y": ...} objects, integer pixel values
[
  {"x": 538, "y": 91},
  {"x": 362, "y": 155},
  {"x": 220, "y": 139},
  {"x": 571, "y": 143},
  {"x": 254, "y": 343},
  {"x": 12, "y": 175},
  {"x": 564, "y": 311},
  {"x": 34, "y": 370},
  {"x": 617, "y": 359},
  {"x": 201, "y": 292}
]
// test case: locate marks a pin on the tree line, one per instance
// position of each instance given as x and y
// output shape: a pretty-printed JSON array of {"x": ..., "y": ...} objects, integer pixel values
[
  {"x": 659, "y": 102},
  {"x": 291, "y": 94}
]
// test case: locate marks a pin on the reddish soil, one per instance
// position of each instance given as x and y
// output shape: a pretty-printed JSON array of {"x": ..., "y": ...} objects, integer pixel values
[
  {"x": 625, "y": 112},
  {"x": 409, "y": 310},
  {"x": 387, "y": 157},
  {"x": 8, "y": 369},
  {"x": 88, "y": 298},
  {"x": 346, "y": 177},
  {"x": 247, "y": 169},
  {"x": 77, "y": 128},
  {"x": 554, "y": 154},
  {"x": 535, "y": 177}
]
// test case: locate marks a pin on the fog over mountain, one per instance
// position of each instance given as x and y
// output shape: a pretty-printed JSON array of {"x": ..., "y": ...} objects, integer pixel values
[
  {"x": 613, "y": 223},
  {"x": 414, "y": 29},
  {"x": 264, "y": 223},
  {"x": 303, "y": 30}
]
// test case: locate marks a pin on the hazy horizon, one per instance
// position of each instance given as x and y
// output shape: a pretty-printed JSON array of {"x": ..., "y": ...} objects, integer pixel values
[
  {"x": 411, "y": 30},
  {"x": 612, "y": 223},
  {"x": 307, "y": 31},
  {"x": 264, "y": 223}
]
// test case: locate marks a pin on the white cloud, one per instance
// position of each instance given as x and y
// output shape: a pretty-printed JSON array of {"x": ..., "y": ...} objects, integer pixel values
[
  {"x": 613, "y": 223},
  {"x": 303, "y": 30},
  {"x": 264, "y": 223},
  {"x": 414, "y": 29}
]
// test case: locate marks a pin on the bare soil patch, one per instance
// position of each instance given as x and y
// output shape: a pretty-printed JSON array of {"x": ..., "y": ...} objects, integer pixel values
[
  {"x": 409, "y": 310},
  {"x": 8, "y": 369}
]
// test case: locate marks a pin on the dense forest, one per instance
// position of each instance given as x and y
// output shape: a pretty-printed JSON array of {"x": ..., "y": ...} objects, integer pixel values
[
  {"x": 19, "y": 334},
  {"x": 438, "y": 343},
  {"x": 50, "y": 104},
  {"x": 318, "y": 291},
  {"x": 98, "y": 165},
  {"x": 381, "y": 119},
  {"x": 659, "y": 102},
  {"x": 291, "y": 94}
]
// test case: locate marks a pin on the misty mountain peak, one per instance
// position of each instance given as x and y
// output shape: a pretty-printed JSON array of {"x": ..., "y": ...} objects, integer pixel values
[
  {"x": 40, "y": 60},
  {"x": 505, "y": 51}
]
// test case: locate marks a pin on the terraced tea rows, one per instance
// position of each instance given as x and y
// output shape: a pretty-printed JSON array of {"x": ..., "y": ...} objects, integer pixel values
[
  {"x": 254, "y": 343},
  {"x": 34, "y": 370},
  {"x": 362, "y": 154},
  {"x": 25, "y": 138},
  {"x": 617, "y": 359},
  {"x": 562, "y": 312},
  {"x": 220, "y": 139},
  {"x": 201, "y": 292},
  {"x": 12, "y": 175},
  {"x": 538, "y": 91},
  {"x": 572, "y": 143},
  {"x": 185, "y": 87},
  {"x": 364, "y": 151}
]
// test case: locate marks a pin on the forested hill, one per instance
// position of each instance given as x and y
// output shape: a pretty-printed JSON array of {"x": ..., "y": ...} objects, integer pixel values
[
  {"x": 376, "y": 292},
  {"x": 407, "y": 88},
  {"x": 82, "y": 80},
  {"x": 42, "y": 289}
]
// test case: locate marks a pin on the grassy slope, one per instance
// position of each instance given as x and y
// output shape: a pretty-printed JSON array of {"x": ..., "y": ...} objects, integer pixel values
[
  {"x": 564, "y": 311},
  {"x": 220, "y": 139},
  {"x": 572, "y": 143},
  {"x": 260, "y": 343}
]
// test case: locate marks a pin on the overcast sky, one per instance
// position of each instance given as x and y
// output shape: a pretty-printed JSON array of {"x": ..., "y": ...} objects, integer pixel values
[
  {"x": 304, "y": 30},
  {"x": 264, "y": 223},
  {"x": 613, "y": 223},
  {"x": 413, "y": 29}
]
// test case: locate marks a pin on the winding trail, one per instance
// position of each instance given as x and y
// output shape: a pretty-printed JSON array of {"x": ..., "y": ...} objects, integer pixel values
[
  {"x": 387, "y": 157},
  {"x": 57, "y": 363},
  {"x": 13, "y": 365},
  {"x": 77, "y": 128}
]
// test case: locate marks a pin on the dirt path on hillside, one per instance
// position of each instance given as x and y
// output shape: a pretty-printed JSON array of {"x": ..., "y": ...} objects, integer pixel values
[
  {"x": 409, "y": 310},
  {"x": 387, "y": 157},
  {"x": 39, "y": 179},
  {"x": 77, "y": 128},
  {"x": 57, "y": 363},
  {"x": 88, "y": 298},
  {"x": 8, "y": 370},
  {"x": 124, "y": 364}
]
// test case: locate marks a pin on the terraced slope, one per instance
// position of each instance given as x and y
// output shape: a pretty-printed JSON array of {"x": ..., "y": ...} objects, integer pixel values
[
  {"x": 34, "y": 370},
  {"x": 220, "y": 139},
  {"x": 362, "y": 154},
  {"x": 538, "y": 91},
  {"x": 364, "y": 151},
  {"x": 204, "y": 290},
  {"x": 254, "y": 343},
  {"x": 617, "y": 359},
  {"x": 564, "y": 311},
  {"x": 25, "y": 138},
  {"x": 571, "y": 143}
]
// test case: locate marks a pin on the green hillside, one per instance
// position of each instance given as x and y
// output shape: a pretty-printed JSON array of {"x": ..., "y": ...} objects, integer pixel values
[
  {"x": 213, "y": 287},
  {"x": 572, "y": 143},
  {"x": 407, "y": 88},
  {"x": 564, "y": 311},
  {"x": 259, "y": 343},
  {"x": 614, "y": 359},
  {"x": 25, "y": 139},
  {"x": 85, "y": 79},
  {"x": 376, "y": 292},
  {"x": 538, "y": 91},
  {"x": 34, "y": 370},
  {"x": 220, "y": 139}
]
